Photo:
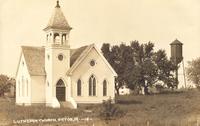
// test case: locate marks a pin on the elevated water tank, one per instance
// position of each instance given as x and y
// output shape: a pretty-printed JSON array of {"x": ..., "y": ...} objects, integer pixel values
[{"x": 176, "y": 51}]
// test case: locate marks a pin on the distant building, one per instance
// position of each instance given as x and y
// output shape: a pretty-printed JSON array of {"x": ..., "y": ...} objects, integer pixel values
[
  {"x": 57, "y": 75},
  {"x": 124, "y": 90}
]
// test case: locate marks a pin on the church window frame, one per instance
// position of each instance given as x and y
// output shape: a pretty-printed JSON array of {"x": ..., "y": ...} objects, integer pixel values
[
  {"x": 63, "y": 39},
  {"x": 92, "y": 62},
  {"x": 92, "y": 86},
  {"x": 27, "y": 87},
  {"x": 48, "y": 56},
  {"x": 60, "y": 57},
  {"x": 79, "y": 87},
  {"x": 23, "y": 87},
  {"x": 47, "y": 38},
  {"x": 105, "y": 87},
  {"x": 56, "y": 38}
]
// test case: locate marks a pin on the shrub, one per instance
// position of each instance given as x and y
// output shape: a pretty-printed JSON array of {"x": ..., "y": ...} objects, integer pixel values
[{"x": 109, "y": 110}]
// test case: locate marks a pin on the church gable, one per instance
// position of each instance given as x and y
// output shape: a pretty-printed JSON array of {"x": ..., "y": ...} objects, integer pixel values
[{"x": 95, "y": 56}]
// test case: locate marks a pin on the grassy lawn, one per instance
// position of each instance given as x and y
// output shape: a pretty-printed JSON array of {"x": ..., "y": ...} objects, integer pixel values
[
  {"x": 174, "y": 109},
  {"x": 179, "y": 108}
]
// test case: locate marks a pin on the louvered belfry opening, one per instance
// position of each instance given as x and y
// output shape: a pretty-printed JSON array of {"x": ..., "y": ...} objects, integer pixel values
[{"x": 60, "y": 90}]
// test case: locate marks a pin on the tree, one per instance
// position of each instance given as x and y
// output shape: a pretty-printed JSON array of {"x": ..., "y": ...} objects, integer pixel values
[
  {"x": 139, "y": 66},
  {"x": 193, "y": 71},
  {"x": 145, "y": 73},
  {"x": 5, "y": 84},
  {"x": 120, "y": 58},
  {"x": 165, "y": 69}
]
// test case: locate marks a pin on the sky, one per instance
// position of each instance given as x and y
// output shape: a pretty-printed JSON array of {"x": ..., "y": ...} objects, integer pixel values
[{"x": 100, "y": 21}]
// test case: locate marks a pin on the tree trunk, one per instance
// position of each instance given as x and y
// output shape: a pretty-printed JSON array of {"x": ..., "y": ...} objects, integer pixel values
[
  {"x": 146, "y": 90},
  {"x": 117, "y": 90}
]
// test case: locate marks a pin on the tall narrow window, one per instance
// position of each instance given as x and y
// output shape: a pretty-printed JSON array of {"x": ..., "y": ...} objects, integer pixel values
[
  {"x": 92, "y": 86},
  {"x": 23, "y": 86},
  {"x": 57, "y": 38},
  {"x": 79, "y": 87},
  {"x": 19, "y": 88},
  {"x": 104, "y": 88},
  {"x": 27, "y": 87}
]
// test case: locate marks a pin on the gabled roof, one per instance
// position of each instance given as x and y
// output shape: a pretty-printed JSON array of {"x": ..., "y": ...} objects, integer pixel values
[
  {"x": 75, "y": 53},
  {"x": 58, "y": 20},
  {"x": 35, "y": 59},
  {"x": 82, "y": 56}
]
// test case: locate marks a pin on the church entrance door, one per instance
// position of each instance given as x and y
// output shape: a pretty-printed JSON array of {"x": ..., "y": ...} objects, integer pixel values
[{"x": 60, "y": 90}]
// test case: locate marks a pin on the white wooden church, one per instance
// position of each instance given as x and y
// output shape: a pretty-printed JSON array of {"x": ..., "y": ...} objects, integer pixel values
[{"x": 56, "y": 75}]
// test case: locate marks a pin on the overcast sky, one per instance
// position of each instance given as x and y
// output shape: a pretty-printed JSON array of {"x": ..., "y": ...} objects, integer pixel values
[{"x": 99, "y": 21}]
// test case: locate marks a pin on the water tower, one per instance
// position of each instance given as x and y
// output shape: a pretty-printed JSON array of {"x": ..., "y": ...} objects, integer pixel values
[{"x": 176, "y": 56}]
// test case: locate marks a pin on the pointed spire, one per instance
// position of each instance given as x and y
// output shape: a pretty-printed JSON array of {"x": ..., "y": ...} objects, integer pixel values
[
  {"x": 57, "y": 20},
  {"x": 57, "y": 5}
]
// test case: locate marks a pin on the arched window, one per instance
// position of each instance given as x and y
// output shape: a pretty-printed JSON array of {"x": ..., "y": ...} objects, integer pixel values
[
  {"x": 104, "y": 88},
  {"x": 56, "y": 38},
  {"x": 64, "y": 39},
  {"x": 92, "y": 86},
  {"x": 79, "y": 87}
]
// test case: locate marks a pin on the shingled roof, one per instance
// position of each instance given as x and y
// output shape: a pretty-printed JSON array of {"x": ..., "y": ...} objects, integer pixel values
[
  {"x": 58, "y": 20},
  {"x": 35, "y": 58},
  {"x": 75, "y": 53}
]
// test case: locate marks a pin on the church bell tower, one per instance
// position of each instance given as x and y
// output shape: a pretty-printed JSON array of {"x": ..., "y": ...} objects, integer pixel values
[{"x": 57, "y": 53}]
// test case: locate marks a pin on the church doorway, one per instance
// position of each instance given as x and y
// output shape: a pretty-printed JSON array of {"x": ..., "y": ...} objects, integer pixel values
[{"x": 60, "y": 90}]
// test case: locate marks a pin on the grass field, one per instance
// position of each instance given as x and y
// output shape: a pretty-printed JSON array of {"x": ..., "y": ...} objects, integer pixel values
[{"x": 173, "y": 109}]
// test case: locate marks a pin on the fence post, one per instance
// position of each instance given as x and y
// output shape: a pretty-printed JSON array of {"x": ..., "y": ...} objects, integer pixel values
[{"x": 147, "y": 123}]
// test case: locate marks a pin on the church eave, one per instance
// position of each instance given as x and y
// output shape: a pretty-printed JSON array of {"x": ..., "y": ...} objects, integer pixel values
[{"x": 57, "y": 28}]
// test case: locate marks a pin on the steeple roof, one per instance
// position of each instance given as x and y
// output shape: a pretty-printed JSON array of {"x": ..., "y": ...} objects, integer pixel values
[{"x": 58, "y": 20}]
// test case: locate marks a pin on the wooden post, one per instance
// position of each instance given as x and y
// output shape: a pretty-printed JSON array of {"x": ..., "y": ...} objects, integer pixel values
[
  {"x": 184, "y": 73},
  {"x": 147, "y": 123}
]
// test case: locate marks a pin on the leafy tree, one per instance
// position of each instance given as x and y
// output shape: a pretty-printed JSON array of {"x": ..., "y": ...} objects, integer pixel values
[
  {"x": 165, "y": 69},
  {"x": 145, "y": 73},
  {"x": 5, "y": 84},
  {"x": 138, "y": 65},
  {"x": 106, "y": 51},
  {"x": 120, "y": 58},
  {"x": 193, "y": 71}
]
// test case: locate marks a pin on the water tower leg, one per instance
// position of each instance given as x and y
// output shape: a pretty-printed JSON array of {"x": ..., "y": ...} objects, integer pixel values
[
  {"x": 184, "y": 73},
  {"x": 176, "y": 77}
]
